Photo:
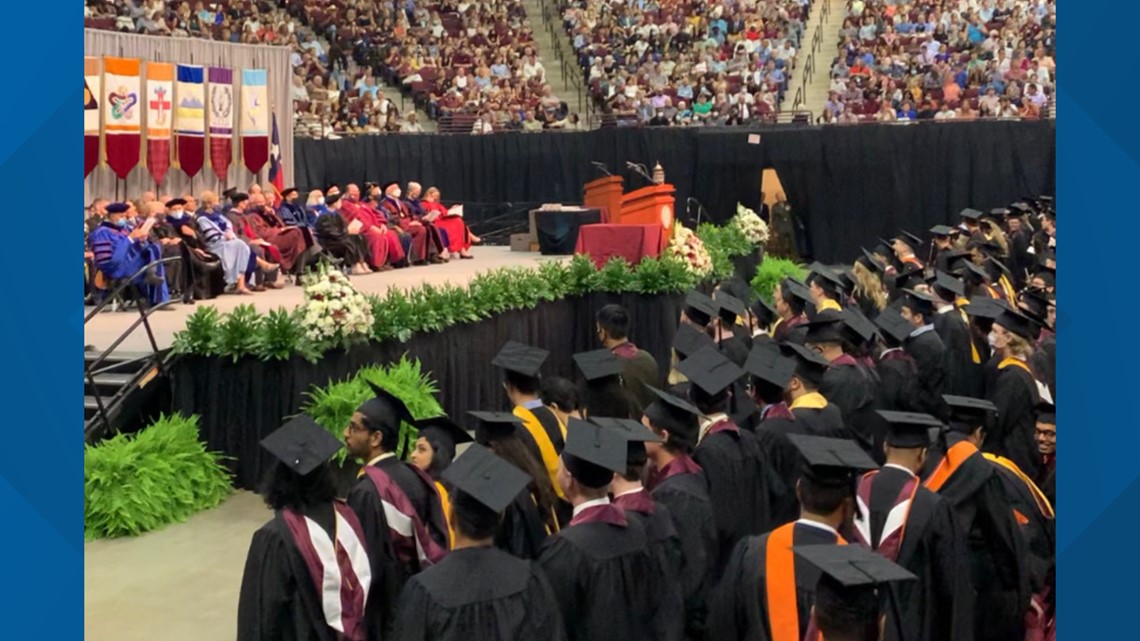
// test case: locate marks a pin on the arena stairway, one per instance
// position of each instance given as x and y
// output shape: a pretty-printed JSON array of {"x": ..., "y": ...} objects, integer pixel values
[{"x": 127, "y": 384}]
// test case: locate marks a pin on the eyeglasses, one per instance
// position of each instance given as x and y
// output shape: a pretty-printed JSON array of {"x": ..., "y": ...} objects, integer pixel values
[{"x": 1047, "y": 434}]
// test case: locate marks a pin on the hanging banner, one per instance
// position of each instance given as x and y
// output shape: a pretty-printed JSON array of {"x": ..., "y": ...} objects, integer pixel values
[
  {"x": 190, "y": 119},
  {"x": 254, "y": 119},
  {"x": 221, "y": 120},
  {"x": 92, "y": 97},
  {"x": 276, "y": 171},
  {"x": 122, "y": 117},
  {"x": 159, "y": 117}
]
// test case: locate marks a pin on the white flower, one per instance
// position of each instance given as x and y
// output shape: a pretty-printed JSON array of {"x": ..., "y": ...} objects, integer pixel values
[{"x": 750, "y": 224}]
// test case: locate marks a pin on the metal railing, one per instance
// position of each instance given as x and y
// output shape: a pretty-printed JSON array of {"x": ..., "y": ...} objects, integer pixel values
[
  {"x": 95, "y": 366},
  {"x": 809, "y": 65}
]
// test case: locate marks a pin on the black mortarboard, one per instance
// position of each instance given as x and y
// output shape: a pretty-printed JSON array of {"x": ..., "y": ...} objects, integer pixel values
[
  {"x": 852, "y": 580},
  {"x": 332, "y": 186},
  {"x": 238, "y": 197},
  {"x": 987, "y": 246},
  {"x": 1017, "y": 323},
  {"x": 970, "y": 214},
  {"x": 858, "y": 327},
  {"x": 443, "y": 431},
  {"x": 763, "y": 312},
  {"x": 908, "y": 278},
  {"x": 176, "y": 202},
  {"x": 827, "y": 327},
  {"x": 826, "y": 279},
  {"x": 1000, "y": 266},
  {"x": 945, "y": 281},
  {"x": 910, "y": 239},
  {"x": 884, "y": 248},
  {"x": 1046, "y": 413},
  {"x": 385, "y": 186},
  {"x": 593, "y": 454},
  {"x": 831, "y": 461},
  {"x": 1035, "y": 304},
  {"x": 769, "y": 365},
  {"x": 729, "y": 307},
  {"x": 810, "y": 366},
  {"x": 288, "y": 190},
  {"x": 984, "y": 307},
  {"x": 710, "y": 370},
  {"x": 908, "y": 429},
  {"x": 520, "y": 358},
  {"x": 384, "y": 412},
  {"x": 699, "y": 308},
  {"x": 893, "y": 325},
  {"x": 942, "y": 230},
  {"x": 968, "y": 411},
  {"x": 689, "y": 340},
  {"x": 486, "y": 478},
  {"x": 229, "y": 192},
  {"x": 967, "y": 269},
  {"x": 796, "y": 288},
  {"x": 1021, "y": 208},
  {"x": 919, "y": 302},
  {"x": 331, "y": 199},
  {"x": 118, "y": 208},
  {"x": 635, "y": 434},
  {"x": 997, "y": 214},
  {"x": 868, "y": 260},
  {"x": 675, "y": 415},
  {"x": 495, "y": 425},
  {"x": 301, "y": 444},
  {"x": 598, "y": 364}
]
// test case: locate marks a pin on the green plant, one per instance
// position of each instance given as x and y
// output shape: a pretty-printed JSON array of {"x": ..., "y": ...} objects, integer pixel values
[
  {"x": 729, "y": 239},
  {"x": 236, "y": 335},
  {"x": 772, "y": 271},
  {"x": 615, "y": 277},
  {"x": 662, "y": 275},
  {"x": 332, "y": 406},
  {"x": 134, "y": 483},
  {"x": 580, "y": 275},
  {"x": 282, "y": 335},
  {"x": 198, "y": 336}
]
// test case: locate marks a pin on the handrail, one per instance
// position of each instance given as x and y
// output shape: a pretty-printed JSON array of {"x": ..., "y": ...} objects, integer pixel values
[{"x": 92, "y": 368}]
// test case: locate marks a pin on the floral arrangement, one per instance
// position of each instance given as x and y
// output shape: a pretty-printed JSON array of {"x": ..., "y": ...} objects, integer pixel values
[
  {"x": 691, "y": 249},
  {"x": 334, "y": 312},
  {"x": 750, "y": 224}
]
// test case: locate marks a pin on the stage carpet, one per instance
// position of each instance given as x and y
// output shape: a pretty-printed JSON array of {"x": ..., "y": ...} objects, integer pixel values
[{"x": 108, "y": 326}]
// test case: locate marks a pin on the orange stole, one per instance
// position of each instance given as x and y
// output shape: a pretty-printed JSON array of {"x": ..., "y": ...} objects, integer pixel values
[
  {"x": 780, "y": 584},
  {"x": 445, "y": 503},
  {"x": 949, "y": 464}
]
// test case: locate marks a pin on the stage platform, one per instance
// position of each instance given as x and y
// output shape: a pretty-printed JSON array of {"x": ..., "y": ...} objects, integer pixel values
[{"x": 108, "y": 326}]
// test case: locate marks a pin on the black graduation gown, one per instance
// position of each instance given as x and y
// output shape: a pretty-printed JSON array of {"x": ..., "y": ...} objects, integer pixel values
[
  {"x": 522, "y": 532},
  {"x": 783, "y": 461},
  {"x": 687, "y": 499},
  {"x": 1044, "y": 363},
  {"x": 898, "y": 382},
  {"x": 478, "y": 594},
  {"x": 938, "y": 606},
  {"x": 958, "y": 361},
  {"x": 928, "y": 353},
  {"x": 738, "y": 609},
  {"x": 852, "y": 389},
  {"x": 208, "y": 279},
  {"x": 1013, "y": 433},
  {"x": 733, "y": 468},
  {"x": 278, "y": 600},
  {"x": 610, "y": 584},
  {"x": 1037, "y": 526},
  {"x": 659, "y": 528},
  {"x": 1020, "y": 260},
  {"x": 332, "y": 234},
  {"x": 995, "y": 547},
  {"x": 826, "y": 421}
]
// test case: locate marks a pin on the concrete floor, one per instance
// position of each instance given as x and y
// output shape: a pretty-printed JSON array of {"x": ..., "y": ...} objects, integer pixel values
[{"x": 179, "y": 583}]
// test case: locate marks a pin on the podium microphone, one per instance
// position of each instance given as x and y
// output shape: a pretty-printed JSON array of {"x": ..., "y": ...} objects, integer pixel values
[
  {"x": 640, "y": 170},
  {"x": 600, "y": 166}
]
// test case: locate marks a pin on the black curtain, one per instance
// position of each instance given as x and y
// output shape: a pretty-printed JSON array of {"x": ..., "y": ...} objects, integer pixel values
[
  {"x": 239, "y": 403},
  {"x": 848, "y": 184}
]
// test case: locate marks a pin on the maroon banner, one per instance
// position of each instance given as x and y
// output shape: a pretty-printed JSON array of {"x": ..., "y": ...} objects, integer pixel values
[{"x": 221, "y": 120}]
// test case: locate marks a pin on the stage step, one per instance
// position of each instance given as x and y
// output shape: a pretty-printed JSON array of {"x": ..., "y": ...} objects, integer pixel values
[{"x": 123, "y": 383}]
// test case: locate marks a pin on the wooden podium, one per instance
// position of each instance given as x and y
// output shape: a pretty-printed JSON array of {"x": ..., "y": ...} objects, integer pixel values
[
  {"x": 652, "y": 205},
  {"x": 605, "y": 194}
]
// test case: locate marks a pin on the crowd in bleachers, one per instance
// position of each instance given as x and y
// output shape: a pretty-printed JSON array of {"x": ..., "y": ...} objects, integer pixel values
[
  {"x": 687, "y": 62},
  {"x": 944, "y": 59}
]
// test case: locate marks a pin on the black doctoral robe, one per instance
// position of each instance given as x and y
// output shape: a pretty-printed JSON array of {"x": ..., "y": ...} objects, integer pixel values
[
  {"x": 738, "y": 485},
  {"x": 958, "y": 360},
  {"x": 687, "y": 499},
  {"x": 1013, "y": 433},
  {"x": 208, "y": 279},
  {"x": 928, "y": 353},
  {"x": 996, "y": 549},
  {"x": 478, "y": 594},
  {"x": 610, "y": 584},
  {"x": 738, "y": 609},
  {"x": 936, "y": 607}
]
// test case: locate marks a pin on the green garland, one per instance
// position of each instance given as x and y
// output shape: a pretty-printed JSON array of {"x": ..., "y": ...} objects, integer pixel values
[
  {"x": 332, "y": 406},
  {"x": 134, "y": 483},
  {"x": 772, "y": 271}
]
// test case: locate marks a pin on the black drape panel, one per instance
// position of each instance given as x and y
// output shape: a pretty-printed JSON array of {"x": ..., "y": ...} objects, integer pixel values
[
  {"x": 849, "y": 184},
  {"x": 239, "y": 403}
]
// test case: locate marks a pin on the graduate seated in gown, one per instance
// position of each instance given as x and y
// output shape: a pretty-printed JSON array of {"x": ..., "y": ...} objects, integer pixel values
[
  {"x": 607, "y": 578},
  {"x": 479, "y": 592},
  {"x": 287, "y": 590},
  {"x": 119, "y": 253},
  {"x": 765, "y": 592}
]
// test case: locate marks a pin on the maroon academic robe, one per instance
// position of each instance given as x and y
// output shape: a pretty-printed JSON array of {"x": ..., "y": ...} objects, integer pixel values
[
  {"x": 289, "y": 241},
  {"x": 399, "y": 216},
  {"x": 383, "y": 243}
]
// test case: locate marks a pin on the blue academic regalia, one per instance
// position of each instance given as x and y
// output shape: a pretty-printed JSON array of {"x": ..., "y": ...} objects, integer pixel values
[
  {"x": 118, "y": 256},
  {"x": 294, "y": 214}
]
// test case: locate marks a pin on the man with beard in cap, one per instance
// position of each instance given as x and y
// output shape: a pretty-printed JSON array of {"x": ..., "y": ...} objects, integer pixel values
[
  {"x": 814, "y": 414},
  {"x": 607, "y": 578},
  {"x": 398, "y": 505}
]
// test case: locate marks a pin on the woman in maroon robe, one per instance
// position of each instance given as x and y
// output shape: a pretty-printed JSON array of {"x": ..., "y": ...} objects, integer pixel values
[
  {"x": 459, "y": 236},
  {"x": 289, "y": 241}
]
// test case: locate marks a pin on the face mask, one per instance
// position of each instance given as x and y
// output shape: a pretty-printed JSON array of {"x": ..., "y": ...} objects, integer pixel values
[
  {"x": 992, "y": 340},
  {"x": 321, "y": 200},
  {"x": 122, "y": 223},
  {"x": 396, "y": 193},
  {"x": 178, "y": 213}
]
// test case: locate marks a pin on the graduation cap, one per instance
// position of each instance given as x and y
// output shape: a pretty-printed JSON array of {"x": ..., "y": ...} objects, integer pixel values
[
  {"x": 1000, "y": 266},
  {"x": 910, "y": 239},
  {"x": 118, "y": 208},
  {"x": 301, "y": 444},
  {"x": 770, "y": 366},
  {"x": 908, "y": 429},
  {"x": 689, "y": 340},
  {"x": 520, "y": 358},
  {"x": 488, "y": 479},
  {"x": 1016, "y": 323},
  {"x": 1046, "y": 413},
  {"x": 884, "y": 248},
  {"x": 919, "y": 302},
  {"x": 230, "y": 192},
  {"x": 699, "y": 308},
  {"x": 593, "y": 454},
  {"x": 443, "y": 433},
  {"x": 288, "y": 190},
  {"x": 810, "y": 366},
  {"x": 868, "y": 261},
  {"x": 1035, "y": 304},
  {"x": 858, "y": 327},
  {"x": 827, "y": 327},
  {"x": 826, "y": 279},
  {"x": 675, "y": 415},
  {"x": 970, "y": 214},
  {"x": 852, "y": 581},
  {"x": 239, "y": 197},
  {"x": 894, "y": 326},
  {"x": 176, "y": 202},
  {"x": 710, "y": 370},
  {"x": 1021, "y": 208},
  {"x": 598, "y": 364},
  {"x": 942, "y": 231},
  {"x": 729, "y": 307},
  {"x": 908, "y": 278},
  {"x": 763, "y": 312},
  {"x": 946, "y": 282},
  {"x": 968, "y": 412},
  {"x": 831, "y": 462},
  {"x": 997, "y": 214},
  {"x": 970, "y": 271},
  {"x": 984, "y": 244},
  {"x": 332, "y": 199},
  {"x": 495, "y": 425},
  {"x": 384, "y": 412},
  {"x": 984, "y": 307},
  {"x": 384, "y": 188},
  {"x": 635, "y": 434}
]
